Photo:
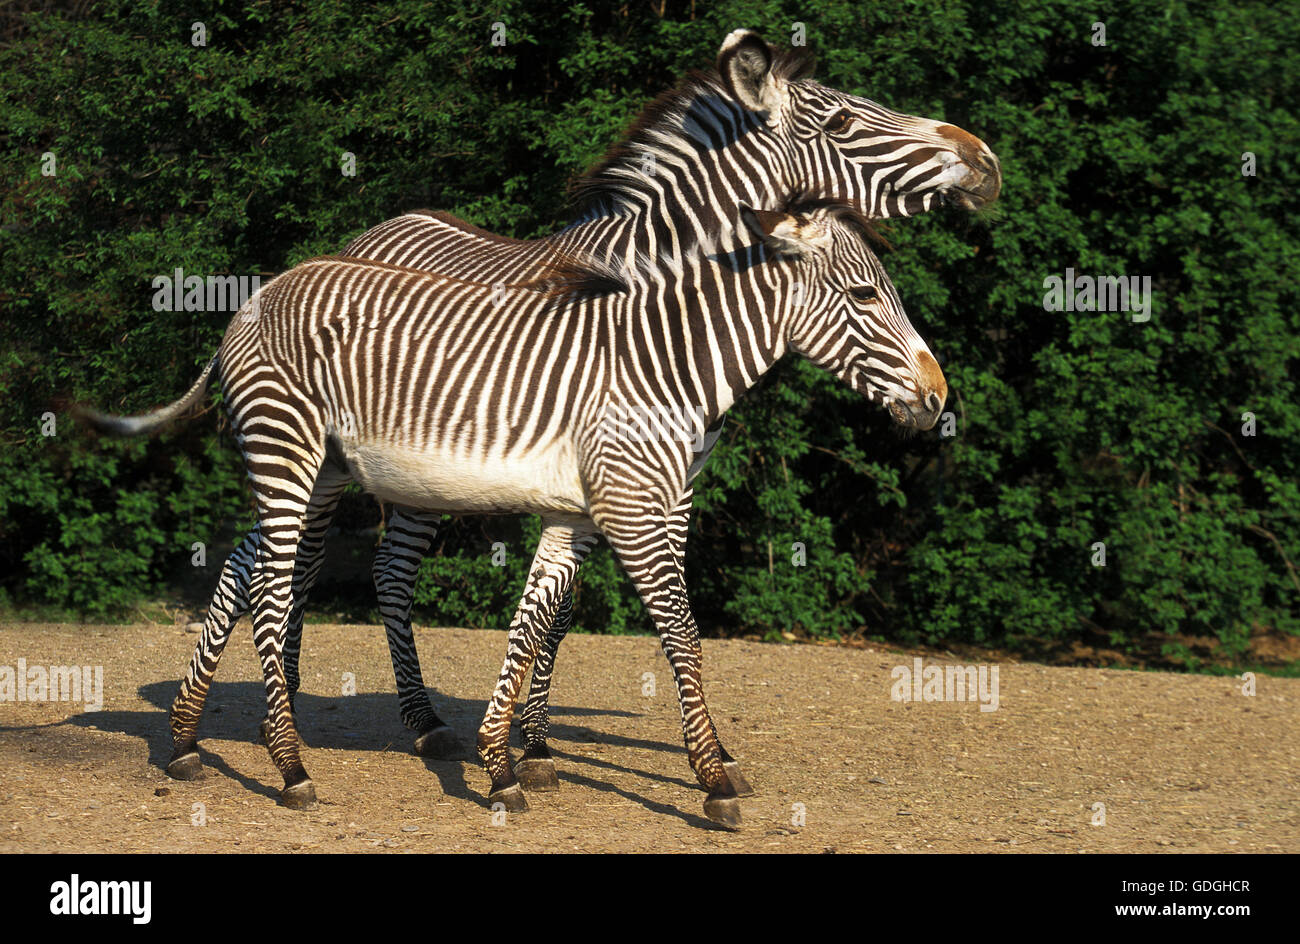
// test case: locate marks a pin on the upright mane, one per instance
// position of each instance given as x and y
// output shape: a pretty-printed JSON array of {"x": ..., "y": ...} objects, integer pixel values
[
  {"x": 660, "y": 121},
  {"x": 568, "y": 277}
]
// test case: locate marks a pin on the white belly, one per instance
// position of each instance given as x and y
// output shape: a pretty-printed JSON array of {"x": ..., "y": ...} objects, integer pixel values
[{"x": 542, "y": 481}]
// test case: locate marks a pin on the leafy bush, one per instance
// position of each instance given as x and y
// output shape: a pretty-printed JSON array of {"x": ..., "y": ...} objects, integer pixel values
[{"x": 1072, "y": 428}]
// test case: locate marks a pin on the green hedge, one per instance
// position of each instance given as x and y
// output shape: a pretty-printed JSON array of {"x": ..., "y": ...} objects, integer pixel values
[{"x": 1072, "y": 428}]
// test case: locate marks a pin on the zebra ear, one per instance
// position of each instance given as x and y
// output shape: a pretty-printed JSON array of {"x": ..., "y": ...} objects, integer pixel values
[
  {"x": 745, "y": 64},
  {"x": 783, "y": 232}
]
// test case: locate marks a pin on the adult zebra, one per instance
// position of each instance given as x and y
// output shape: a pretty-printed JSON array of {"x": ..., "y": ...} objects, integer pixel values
[
  {"x": 403, "y": 381},
  {"x": 760, "y": 130}
]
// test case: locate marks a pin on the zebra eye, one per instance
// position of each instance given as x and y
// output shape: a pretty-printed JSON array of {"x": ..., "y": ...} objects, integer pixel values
[
  {"x": 839, "y": 121},
  {"x": 864, "y": 293}
]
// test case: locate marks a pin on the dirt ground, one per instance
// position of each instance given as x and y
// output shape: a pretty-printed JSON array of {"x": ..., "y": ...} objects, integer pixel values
[{"x": 1180, "y": 763}]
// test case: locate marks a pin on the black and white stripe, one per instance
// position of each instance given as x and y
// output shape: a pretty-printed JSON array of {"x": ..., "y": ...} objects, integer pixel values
[
  {"x": 755, "y": 132},
  {"x": 454, "y": 396}
]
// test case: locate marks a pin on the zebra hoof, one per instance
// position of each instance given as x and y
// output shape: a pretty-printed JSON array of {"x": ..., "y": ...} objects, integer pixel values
[
  {"x": 512, "y": 797},
  {"x": 187, "y": 766},
  {"x": 538, "y": 774},
  {"x": 440, "y": 742},
  {"x": 300, "y": 796},
  {"x": 738, "y": 781},
  {"x": 723, "y": 810}
]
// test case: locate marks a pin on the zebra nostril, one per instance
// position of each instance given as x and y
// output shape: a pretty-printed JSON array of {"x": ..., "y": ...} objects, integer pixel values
[{"x": 933, "y": 402}]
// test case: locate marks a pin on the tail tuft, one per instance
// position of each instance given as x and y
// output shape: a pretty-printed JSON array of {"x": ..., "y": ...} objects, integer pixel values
[{"x": 145, "y": 423}]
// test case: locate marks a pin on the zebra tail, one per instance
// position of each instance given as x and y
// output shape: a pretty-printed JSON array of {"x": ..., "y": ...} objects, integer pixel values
[{"x": 148, "y": 423}]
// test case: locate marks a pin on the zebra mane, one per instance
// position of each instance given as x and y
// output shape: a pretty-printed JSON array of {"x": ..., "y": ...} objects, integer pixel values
[
  {"x": 577, "y": 276},
  {"x": 661, "y": 122},
  {"x": 567, "y": 277}
]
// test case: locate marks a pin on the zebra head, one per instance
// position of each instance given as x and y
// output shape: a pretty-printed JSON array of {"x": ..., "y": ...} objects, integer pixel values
[
  {"x": 843, "y": 312},
  {"x": 838, "y": 145}
]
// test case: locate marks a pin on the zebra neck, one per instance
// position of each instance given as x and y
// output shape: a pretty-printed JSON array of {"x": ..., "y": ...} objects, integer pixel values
[
  {"x": 673, "y": 188},
  {"x": 707, "y": 331}
]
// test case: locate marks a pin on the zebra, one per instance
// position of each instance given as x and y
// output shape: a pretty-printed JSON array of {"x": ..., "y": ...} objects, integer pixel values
[
  {"x": 780, "y": 132},
  {"x": 400, "y": 380}
]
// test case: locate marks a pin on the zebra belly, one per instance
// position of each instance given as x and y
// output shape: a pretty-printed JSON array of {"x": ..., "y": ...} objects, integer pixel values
[{"x": 543, "y": 481}]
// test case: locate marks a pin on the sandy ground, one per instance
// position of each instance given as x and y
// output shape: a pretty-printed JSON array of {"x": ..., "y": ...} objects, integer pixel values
[{"x": 1178, "y": 763}]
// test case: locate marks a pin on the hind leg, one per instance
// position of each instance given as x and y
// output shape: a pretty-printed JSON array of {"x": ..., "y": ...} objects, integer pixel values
[
  {"x": 229, "y": 602},
  {"x": 283, "y": 488},
  {"x": 325, "y": 497},
  {"x": 397, "y": 563}
]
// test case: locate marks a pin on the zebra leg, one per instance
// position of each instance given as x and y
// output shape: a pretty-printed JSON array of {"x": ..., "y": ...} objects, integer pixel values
[
  {"x": 397, "y": 563},
  {"x": 283, "y": 494},
  {"x": 677, "y": 529},
  {"x": 559, "y": 552},
  {"x": 311, "y": 554},
  {"x": 229, "y": 602},
  {"x": 536, "y": 769},
  {"x": 648, "y": 555}
]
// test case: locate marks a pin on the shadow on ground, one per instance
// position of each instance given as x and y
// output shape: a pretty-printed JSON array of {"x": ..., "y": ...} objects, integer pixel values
[{"x": 367, "y": 721}]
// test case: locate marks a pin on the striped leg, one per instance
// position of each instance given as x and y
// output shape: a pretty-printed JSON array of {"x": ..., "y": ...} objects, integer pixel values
[
  {"x": 678, "y": 522},
  {"x": 394, "y": 577},
  {"x": 283, "y": 488},
  {"x": 228, "y": 604},
  {"x": 407, "y": 540},
  {"x": 536, "y": 769},
  {"x": 647, "y": 553},
  {"x": 325, "y": 498},
  {"x": 559, "y": 553}
]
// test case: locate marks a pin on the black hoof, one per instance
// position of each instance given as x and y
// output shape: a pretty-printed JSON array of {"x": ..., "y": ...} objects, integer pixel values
[
  {"x": 538, "y": 774},
  {"x": 301, "y": 796},
  {"x": 185, "y": 767},
  {"x": 738, "y": 781},
  {"x": 723, "y": 810},
  {"x": 440, "y": 742},
  {"x": 513, "y": 798}
]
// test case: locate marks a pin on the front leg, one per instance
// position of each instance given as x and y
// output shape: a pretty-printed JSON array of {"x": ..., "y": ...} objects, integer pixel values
[
  {"x": 559, "y": 553},
  {"x": 536, "y": 769},
  {"x": 647, "y": 555}
]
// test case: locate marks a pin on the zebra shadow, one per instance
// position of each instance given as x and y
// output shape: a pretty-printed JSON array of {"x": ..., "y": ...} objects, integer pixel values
[
  {"x": 369, "y": 721},
  {"x": 366, "y": 721}
]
